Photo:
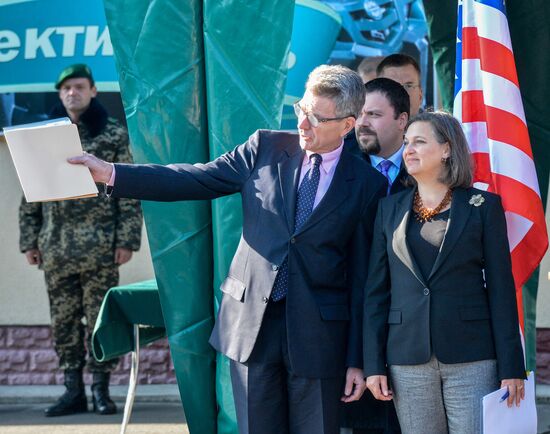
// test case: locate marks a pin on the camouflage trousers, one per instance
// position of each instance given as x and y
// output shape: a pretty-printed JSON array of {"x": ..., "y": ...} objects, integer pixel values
[{"x": 75, "y": 300}]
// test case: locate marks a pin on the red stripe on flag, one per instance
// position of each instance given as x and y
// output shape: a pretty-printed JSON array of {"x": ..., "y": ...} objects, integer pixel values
[
  {"x": 498, "y": 59},
  {"x": 470, "y": 43},
  {"x": 494, "y": 57},
  {"x": 482, "y": 168},
  {"x": 473, "y": 106},
  {"x": 517, "y": 197},
  {"x": 506, "y": 127},
  {"x": 502, "y": 126}
]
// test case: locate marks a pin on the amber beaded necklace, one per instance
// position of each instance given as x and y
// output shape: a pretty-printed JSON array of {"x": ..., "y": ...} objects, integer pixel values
[{"x": 424, "y": 214}]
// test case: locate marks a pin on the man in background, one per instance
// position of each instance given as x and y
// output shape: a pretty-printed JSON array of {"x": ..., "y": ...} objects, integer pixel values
[
  {"x": 401, "y": 68},
  {"x": 405, "y": 70},
  {"x": 80, "y": 245},
  {"x": 367, "y": 68}
]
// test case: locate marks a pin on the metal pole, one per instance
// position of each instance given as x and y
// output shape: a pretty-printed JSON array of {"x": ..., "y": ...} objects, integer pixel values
[{"x": 133, "y": 382}]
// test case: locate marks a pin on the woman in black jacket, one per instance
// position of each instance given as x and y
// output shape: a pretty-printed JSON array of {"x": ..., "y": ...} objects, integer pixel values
[{"x": 440, "y": 308}]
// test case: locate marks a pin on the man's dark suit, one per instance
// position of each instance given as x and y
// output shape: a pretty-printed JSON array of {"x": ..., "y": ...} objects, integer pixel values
[
  {"x": 464, "y": 311},
  {"x": 398, "y": 183},
  {"x": 368, "y": 415},
  {"x": 327, "y": 256}
]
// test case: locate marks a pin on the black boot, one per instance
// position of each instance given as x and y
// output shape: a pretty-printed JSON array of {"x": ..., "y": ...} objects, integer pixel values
[
  {"x": 103, "y": 404},
  {"x": 73, "y": 400}
]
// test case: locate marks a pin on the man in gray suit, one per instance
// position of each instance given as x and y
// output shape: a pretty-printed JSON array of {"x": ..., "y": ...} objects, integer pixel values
[{"x": 291, "y": 316}]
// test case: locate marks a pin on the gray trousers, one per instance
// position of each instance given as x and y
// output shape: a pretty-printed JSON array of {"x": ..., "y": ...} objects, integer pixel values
[{"x": 439, "y": 398}]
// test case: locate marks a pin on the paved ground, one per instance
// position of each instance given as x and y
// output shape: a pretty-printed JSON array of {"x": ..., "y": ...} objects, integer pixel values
[
  {"x": 147, "y": 418},
  {"x": 157, "y": 410}
]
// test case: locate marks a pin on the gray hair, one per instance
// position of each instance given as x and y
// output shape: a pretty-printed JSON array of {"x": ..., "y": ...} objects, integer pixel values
[
  {"x": 458, "y": 168},
  {"x": 341, "y": 85}
]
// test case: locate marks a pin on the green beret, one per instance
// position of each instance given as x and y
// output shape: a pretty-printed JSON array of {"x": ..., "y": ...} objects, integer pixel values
[{"x": 78, "y": 70}]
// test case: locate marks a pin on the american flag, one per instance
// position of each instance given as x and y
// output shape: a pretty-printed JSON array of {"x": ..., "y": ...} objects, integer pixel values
[{"x": 488, "y": 103}]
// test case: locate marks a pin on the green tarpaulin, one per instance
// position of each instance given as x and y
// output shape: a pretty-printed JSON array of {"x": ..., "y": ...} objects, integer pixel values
[
  {"x": 197, "y": 77},
  {"x": 245, "y": 80},
  {"x": 122, "y": 308}
]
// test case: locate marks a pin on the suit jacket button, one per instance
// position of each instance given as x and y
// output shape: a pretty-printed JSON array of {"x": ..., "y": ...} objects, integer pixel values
[
  {"x": 274, "y": 267},
  {"x": 265, "y": 300},
  {"x": 426, "y": 291},
  {"x": 293, "y": 240}
]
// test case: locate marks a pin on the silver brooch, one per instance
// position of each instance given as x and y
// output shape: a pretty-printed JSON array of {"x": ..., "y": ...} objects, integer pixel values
[{"x": 476, "y": 200}]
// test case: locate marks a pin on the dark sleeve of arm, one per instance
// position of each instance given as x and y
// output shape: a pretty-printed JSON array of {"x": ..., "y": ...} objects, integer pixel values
[
  {"x": 223, "y": 176},
  {"x": 357, "y": 274},
  {"x": 501, "y": 292},
  {"x": 377, "y": 302},
  {"x": 128, "y": 215},
  {"x": 30, "y": 223}
]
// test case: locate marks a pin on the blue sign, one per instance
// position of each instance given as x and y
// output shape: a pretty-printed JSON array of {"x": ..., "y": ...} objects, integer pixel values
[{"x": 39, "y": 38}]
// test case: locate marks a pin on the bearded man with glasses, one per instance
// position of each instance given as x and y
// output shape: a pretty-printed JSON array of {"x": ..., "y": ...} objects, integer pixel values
[{"x": 291, "y": 316}]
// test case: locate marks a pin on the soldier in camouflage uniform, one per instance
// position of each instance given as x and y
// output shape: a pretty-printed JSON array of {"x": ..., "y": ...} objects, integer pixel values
[{"x": 80, "y": 245}]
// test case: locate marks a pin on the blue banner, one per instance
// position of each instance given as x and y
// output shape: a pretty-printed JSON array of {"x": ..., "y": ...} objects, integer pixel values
[{"x": 39, "y": 38}]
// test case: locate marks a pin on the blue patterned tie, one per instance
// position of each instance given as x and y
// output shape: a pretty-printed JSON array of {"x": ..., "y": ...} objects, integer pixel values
[
  {"x": 384, "y": 168},
  {"x": 304, "y": 206}
]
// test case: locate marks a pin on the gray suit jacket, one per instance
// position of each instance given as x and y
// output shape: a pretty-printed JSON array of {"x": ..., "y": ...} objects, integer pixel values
[{"x": 327, "y": 256}]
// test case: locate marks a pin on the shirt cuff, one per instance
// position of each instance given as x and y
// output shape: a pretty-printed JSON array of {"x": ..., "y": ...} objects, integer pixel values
[{"x": 110, "y": 184}]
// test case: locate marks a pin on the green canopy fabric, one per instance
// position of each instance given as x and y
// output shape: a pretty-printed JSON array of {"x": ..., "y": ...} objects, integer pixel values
[
  {"x": 122, "y": 308},
  {"x": 159, "y": 54},
  {"x": 245, "y": 78},
  {"x": 196, "y": 73},
  {"x": 441, "y": 19}
]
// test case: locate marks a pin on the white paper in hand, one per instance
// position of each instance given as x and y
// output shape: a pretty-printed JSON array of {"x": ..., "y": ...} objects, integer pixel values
[
  {"x": 498, "y": 418},
  {"x": 40, "y": 151}
]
